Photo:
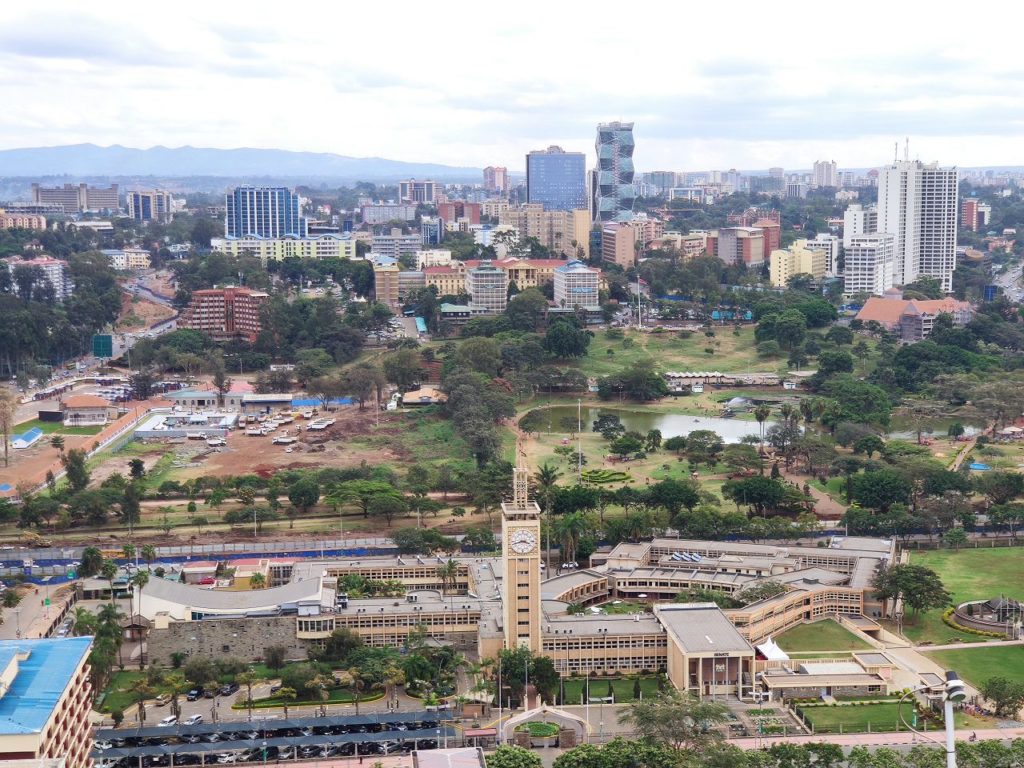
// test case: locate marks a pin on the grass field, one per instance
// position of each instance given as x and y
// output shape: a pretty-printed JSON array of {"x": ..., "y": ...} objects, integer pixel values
[
  {"x": 622, "y": 687},
  {"x": 56, "y": 427},
  {"x": 970, "y": 574},
  {"x": 820, "y": 636},
  {"x": 337, "y": 696},
  {"x": 976, "y": 665},
  {"x": 857, "y": 718},
  {"x": 118, "y": 694}
]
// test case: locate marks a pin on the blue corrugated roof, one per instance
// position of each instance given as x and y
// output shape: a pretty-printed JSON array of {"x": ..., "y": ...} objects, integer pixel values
[
  {"x": 28, "y": 436},
  {"x": 40, "y": 682}
]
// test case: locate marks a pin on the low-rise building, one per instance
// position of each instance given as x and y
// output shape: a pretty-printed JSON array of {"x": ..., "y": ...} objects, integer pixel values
[
  {"x": 20, "y": 220},
  {"x": 689, "y": 246},
  {"x": 738, "y": 245},
  {"x": 448, "y": 280},
  {"x": 127, "y": 259},
  {"x": 577, "y": 285},
  {"x": 487, "y": 286},
  {"x": 912, "y": 319},
  {"x": 828, "y": 243},
  {"x": 326, "y": 246},
  {"x": 396, "y": 244},
  {"x": 409, "y": 281},
  {"x": 798, "y": 259},
  {"x": 382, "y": 213},
  {"x": 86, "y": 411},
  {"x": 433, "y": 258}
]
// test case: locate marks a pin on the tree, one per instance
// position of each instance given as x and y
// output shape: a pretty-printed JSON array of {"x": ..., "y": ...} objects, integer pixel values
[
  {"x": 546, "y": 481},
  {"x": 286, "y": 695},
  {"x": 325, "y": 389},
  {"x": 200, "y": 671},
  {"x": 790, "y": 329},
  {"x": 108, "y": 570},
  {"x": 139, "y": 582},
  {"x": 92, "y": 559},
  {"x": 1001, "y": 487},
  {"x": 762, "y": 494},
  {"x": 919, "y": 587},
  {"x": 704, "y": 446},
  {"x": 75, "y": 469},
  {"x": 839, "y": 335},
  {"x": 955, "y": 538},
  {"x": 880, "y": 489},
  {"x": 247, "y": 678},
  {"x": 387, "y": 506},
  {"x": 275, "y": 656},
  {"x": 218, "y": 375},
  {"x": 676, "y": 719},
  {"x": 257, "y": 581},
  {"x": 563, "y": 339},
  {"x": 8, "y": 411},
  {"x": 626, "y": 445},
  {"x": 509, "y": 756},
  {"x": 403, "y": 368},
  {"x": 312, "y": 363},
  {"x": 652, "y": 441},
  {"x": 870, "y": 445},
  {"x": 527, "y": 310},
  {"x": 676, "y": 444},
  {"x": 340, "y": 645},
  {"x": 303, "y": 494},
  {"x": 57, "y": 442},
  {"x": 639, "y": 382},
  {"x": 362, "y": 381},
  {"x": 674, "y": 495},
  {"x": 1006, "y": 695}
]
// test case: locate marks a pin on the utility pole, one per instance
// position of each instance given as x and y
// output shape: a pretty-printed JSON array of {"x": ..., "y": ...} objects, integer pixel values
[{"x": 579, "y": 439}]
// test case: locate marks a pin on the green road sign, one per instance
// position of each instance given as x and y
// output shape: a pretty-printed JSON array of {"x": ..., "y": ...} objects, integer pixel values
[
  {"x": 46, "y": 601},
  {"x": 103, "y": 345}
]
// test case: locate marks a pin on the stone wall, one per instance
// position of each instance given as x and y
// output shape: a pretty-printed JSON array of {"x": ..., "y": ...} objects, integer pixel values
[{"x": 243, "y": 639}]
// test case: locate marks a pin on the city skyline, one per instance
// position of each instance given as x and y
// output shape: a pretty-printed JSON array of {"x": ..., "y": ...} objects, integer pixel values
[{"x": 73, "y": 75}]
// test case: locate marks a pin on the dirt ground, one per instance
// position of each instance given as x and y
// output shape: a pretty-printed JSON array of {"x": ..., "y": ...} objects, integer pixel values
[
  {"x": 159, "y": 283},
  {"x": 141, "y": 314}
]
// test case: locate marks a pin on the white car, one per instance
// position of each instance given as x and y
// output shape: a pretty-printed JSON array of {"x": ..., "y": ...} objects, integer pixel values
[
  {"x": 227, "y": 758},
  {"x": 104, "y": 745},
  {"x": 168, "y": 721},
  {"x": 193, "y": 720}
]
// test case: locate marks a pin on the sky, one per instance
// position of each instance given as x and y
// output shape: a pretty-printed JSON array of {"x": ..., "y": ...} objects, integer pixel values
[{"x": 708, "y": 85}]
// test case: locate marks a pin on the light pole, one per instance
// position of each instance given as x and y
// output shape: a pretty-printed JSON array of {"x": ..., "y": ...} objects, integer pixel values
[
  {"x": 952, "y": 691},
  {"x": 17, "y": 619}
]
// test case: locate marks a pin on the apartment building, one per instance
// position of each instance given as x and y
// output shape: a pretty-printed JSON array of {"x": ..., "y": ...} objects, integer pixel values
[
  {"x": 127, "y": 259},
  {"x": 740, "y": 245},
  {"x": 869, "y": 263},
  {"x": 19, "y": 220},
  {"x": 974, "y": 214},
  {"x": 858, "y": 220},
  {"x": 225, "y": 313},
  {"x": 825, "y": 174},
  {"x": 77, "y": 198},
  {"x": 385, "y": 286},
  {"x": 270, "y": 212},
  {"x": 799, "y": 259},
  {"x": 577, "y": 285},
  {"x": 563, "y": 232},
  {"x": 493, "y": 208},
  {"x": 327, "y": 246},
  {"x": 396, "y": 244},
  {"x": 433, "y": 258},
  {"x": 145, "y": 205},
  {"x": 830, "y": 245},
  {"x": 487, "y": 286},
  {"x": 496, "y": 179},
  {"x": 413, "y": 191},
  {"x": 382, "y": 213},
  {"x": 52, "y": 272},
  {"x": 46, "y": 700},
  {"x": 618, "y": 244},
  {"x": 457, "y": 212},
  {"x": 690, "y": 246}
]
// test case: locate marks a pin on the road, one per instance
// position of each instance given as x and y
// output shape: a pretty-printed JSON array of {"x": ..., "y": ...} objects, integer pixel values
[{"x": 1010, "y": 282}]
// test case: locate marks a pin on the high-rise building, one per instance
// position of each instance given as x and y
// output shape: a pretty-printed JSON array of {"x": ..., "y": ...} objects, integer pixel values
[
  {"x": 577, "y": 285},
  {"x": 263, "y": 212},
  {"x": 149, "y": 205},
  {"x": 224, "y": 313},
  {"x": 974, "y": 214},
  {"x": 613, "y": 190},
  {"x": 51, "y": 272},
  {"x": 77, "y": 199},
  {"x": 825, "y": 174},
  {"x": 487, "y": 287},
  {"x": 385, "y": 285},
  {"x": 830, "y": 245},
  {"x": 556, "y": 179},
  {"x": 520, "y": 548},
  {"x": 858, "y": 220},
  {"x": 413, "y": 191},
  {"x": 917, "y": 203},
  {"x": 561, "y": 232},
  {"x": 46, "y": 701},
  {"x": 496, "y": 179},
  {"x": 662, "y": 181},
  {"x": 618, "y": 244},
  {"x": 740, "y": 245},
  {"x": 798, "y": 259},
  {"x": 772, "y": 232},
  {"x": 869, "y": 263},
  {"x": 457, "y": 210}
]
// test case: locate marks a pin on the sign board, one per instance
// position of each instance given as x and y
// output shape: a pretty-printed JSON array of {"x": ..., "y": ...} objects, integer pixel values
[{"x": 103, "y": 345}]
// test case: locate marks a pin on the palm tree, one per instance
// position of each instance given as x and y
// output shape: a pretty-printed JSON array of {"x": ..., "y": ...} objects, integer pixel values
[
  {"x": 319, "y": 686},
  {"x": 786, "y": 410},
  {"x": 128, "y": 550},
  {"x": 85, "y": 622},
  {"x": 142, "y": 691},
  {"x": 448, "y": 573},
  {"x": 108, "y": 623},
  {"x": 58, "y": 442},
  {"x": 286, "y": 695},
  {"x": 108, "y": 570},
  {"x": 257, "y": 581},
  {"x": 394, "y": 676},
  {"x": 148, "y": 552},
  {"x": 761, "y": 413},
  {"x": 176, "y": 685},
  {"x": 139, "y": 581},
  {"x": 357, "y": 684},
  {"x": 247, "y": 678},
  {"x": 569, "y": 529},
  {"x": 546, "y": 479},
  {"x": 807, "y": 410}
]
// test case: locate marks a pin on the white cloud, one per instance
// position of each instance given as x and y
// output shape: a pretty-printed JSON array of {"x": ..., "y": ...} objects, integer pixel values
[{"x": 717, "y": 85}]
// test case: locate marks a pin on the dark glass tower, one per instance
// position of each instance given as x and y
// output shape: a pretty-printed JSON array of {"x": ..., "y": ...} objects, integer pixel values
[{"x": 613, "y": 190}]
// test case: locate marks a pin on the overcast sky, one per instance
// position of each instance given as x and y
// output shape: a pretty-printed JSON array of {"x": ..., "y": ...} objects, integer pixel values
[{"x": 712, "y": 85}]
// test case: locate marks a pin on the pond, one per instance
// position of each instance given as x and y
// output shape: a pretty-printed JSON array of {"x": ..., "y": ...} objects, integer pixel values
[
  {"x": 903, "y": 428},
  {"x": 670, "y": 424}
]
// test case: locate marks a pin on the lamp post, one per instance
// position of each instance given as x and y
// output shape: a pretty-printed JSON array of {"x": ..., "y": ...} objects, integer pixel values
[{"x": 952, "y": 691}]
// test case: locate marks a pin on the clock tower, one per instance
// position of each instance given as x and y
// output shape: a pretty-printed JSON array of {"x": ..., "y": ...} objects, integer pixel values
[{"x": 520, "y": 542}]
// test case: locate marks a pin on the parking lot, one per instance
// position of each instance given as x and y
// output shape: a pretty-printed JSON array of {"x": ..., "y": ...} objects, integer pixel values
[{"x": 271, "y": 738}]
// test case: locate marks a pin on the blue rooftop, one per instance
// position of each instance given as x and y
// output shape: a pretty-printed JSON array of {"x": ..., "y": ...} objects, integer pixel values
[
  {"x": 40, "y": 682},
  {"x": 29, "y": 436}
]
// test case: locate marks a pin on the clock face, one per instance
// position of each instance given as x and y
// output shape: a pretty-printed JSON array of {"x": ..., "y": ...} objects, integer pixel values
[{"x": 522, "y": 541}]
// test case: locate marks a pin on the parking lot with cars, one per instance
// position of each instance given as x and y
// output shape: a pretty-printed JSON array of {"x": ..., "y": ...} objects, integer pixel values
[{"x": 194, "y": 742}]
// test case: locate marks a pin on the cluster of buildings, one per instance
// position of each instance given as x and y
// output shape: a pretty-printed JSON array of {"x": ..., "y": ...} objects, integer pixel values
[{"x": 48, "y": 271}]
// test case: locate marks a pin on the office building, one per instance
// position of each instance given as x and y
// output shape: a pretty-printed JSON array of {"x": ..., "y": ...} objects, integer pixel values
[
  {"x": 487, "y": 287},
  {"x": 740, "y": 245},
  {"x": 433, "y": 258},
  {"x": 412, "y": 191},
  {"x": 858, "y": 220},
  {"x": 917, "y": 204},
  {"x": 147, "y": 205},
  {"x": 432, "y": 230},
  {"x": 913, "y": 320},
  {"x": 662, "y": 181},
  {"x": 410, "y": 280},
  {"x": 566, "y": 233},
  {"x": 446, "y": 279},
  {"x": 689, "y": 246},
  {"x": 556, "y": 179},
  {"x": 396, "y": 244},
  {"x": 382, "y": 213},
  {"x": 525, "y": 273},
  {"x": 830, "y": 245},
  {"x": 328, "y": 246},
  {"x": 20, "y": 220},
  {"x": 798, "y": 259},
  {"x": 46, "y": 701},
  {"x": 458, "y": 211},
  {"x": 385, "y": 286},
  {"x": 225, "y": 313},
  {"x": 869, "y": 263},
  {"x": 577, "y": 285},
  {"x": 496, "y": 179},
  {"x": 772, "y": 232},
  {"x": 618, "y": 244},
  {"x": 270, "y": 212},
  {"x": 825, "y": 174},
  {"x": 796, "y": 189},
  {"x": 127, "y": 259},
  {"x": 52, "y": 272},
  {"x": 614, "y": 192},
  {"x": 79, "y": 198},
  {"x": 974, "y": 214}
]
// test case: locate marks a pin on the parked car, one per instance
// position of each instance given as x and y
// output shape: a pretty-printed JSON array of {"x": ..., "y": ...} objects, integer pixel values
[
  {"x": 162, "y": 699},
  {"x": 168, "y": 721},
  {"x": 195, "y": 694},
  {"x": 228, "y": 688},
  {"x": 193, "y": 720}
]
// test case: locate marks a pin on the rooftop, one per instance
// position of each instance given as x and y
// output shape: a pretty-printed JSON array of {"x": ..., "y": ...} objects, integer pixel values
[
  {"x": 162, "y": 591},
  {"x": 85, "y": 401},
  {"x": 701, "y": 628},
  {"x": 45, "y": 668}
]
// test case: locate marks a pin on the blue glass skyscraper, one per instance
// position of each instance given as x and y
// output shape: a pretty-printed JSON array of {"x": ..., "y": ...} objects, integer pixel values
[
  {"x": 263, "y": 212},
  {"x": 557, "y": 179}
]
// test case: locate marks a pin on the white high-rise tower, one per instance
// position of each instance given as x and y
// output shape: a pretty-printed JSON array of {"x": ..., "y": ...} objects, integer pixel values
[{"x": 917, "y": 203}]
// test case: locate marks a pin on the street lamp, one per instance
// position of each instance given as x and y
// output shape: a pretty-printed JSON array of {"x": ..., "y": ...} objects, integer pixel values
[
  {"x": 17, "y": 619},
  {"x": 952, "y": 691}
]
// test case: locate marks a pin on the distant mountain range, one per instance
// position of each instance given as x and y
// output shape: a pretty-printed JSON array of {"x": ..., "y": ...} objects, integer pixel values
[{"x": 92, "y": 160}]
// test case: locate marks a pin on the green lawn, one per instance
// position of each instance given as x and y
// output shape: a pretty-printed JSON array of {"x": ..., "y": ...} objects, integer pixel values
[
  {"x": 624, "y": 607},
  {"x": 621, "y": 686},
  {"x": 976, "y": 665},
  {"x": 52, "y": 427},
  {"x": 857, "y": 718},
  {"x": 970, "y": 574},
  {"x": 337, "y": 696},
  {"x": 118, "y": 694},
  {"x": 821, "y": 636}
]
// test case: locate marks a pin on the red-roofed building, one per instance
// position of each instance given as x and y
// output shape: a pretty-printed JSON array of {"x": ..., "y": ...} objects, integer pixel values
[
  {"x": 86, "y": 411},
  {"x": 449, "y": 280},
  {"x": 525, "y": 273},
  {"x": 913, "y": 319}
]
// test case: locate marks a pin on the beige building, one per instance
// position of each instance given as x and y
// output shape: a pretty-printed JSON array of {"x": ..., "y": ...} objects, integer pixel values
[
  {"x": 329, "y": 246},
  {"x": 555, "y": 230},
  {"x": 127, "y": 259},
  {"x": 520, "y": 541},
  {"x": 618, "y": 244},
  {"x": 449, "y": 280},
  {"x": 493, "y": 208},
  {"x": 690, "y": 246},
  {"x": 385, "y": 285},
  {"x": 798, "y": 259},
  {"x": 15, "y": 220},
  {"x": 433, "y": 258},
  {"x": 46, "y": 700}
]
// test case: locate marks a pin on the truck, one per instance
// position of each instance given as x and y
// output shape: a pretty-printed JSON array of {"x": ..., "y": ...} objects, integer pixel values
[{"x": 284, "y": 440}]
